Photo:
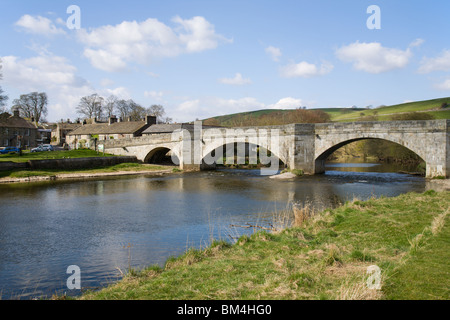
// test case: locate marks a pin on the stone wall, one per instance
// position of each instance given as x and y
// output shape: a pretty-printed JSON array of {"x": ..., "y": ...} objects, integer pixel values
[
  {"x": 9, "y": 165},
  {"x": 303, "y": 146}
]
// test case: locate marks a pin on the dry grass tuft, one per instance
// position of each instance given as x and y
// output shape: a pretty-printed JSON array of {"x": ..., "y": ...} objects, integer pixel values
[{"x": 358, "y": 291}]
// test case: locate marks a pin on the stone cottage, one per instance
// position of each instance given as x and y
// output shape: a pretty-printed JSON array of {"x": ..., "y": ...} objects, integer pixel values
[
  {"x": 88, "y": 135},
  {"x": 16, "y": 131},
  {"x": 60, "y": 131}
]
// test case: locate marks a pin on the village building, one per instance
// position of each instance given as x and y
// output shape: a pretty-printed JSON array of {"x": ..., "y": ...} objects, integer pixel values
[
  {"x": 88, "y": 135},
  {"x": 60, "y": 131},
  {"x": 16, "y": 131}
]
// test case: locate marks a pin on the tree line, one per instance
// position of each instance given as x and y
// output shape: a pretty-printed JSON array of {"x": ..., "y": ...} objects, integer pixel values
[
  {"x": 100, "y": 108},
  {"x": 299, "y": 115}
]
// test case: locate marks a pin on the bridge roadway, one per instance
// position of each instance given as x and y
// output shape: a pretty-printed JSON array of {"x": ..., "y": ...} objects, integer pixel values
[{"x": 299, "y": 146}]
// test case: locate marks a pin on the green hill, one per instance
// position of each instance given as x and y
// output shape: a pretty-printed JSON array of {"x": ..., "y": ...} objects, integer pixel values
[{"x": 435, "y": 108}]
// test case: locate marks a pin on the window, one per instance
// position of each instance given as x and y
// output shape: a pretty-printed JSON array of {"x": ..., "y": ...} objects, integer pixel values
[
  {"x": 27, "y": 132},
  {"x": 6, "y": 142}
]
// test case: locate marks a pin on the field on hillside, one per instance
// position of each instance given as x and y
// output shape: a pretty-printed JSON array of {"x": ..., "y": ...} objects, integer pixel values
[{"x": 432, "y": 107}]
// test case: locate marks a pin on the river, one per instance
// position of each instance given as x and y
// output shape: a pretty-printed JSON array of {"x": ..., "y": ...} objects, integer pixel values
[{"x": 105, "y": 226}]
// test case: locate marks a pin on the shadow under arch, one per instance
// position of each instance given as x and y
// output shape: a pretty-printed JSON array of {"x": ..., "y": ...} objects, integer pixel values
[
  {"x": 160, "y": 155},
  {"x": 241, "y": 154},
  {"x": 322, "y": 158}
]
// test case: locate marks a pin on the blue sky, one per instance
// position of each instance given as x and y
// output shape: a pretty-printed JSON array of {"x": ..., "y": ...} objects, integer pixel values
[{"x": 207, "y": 58}]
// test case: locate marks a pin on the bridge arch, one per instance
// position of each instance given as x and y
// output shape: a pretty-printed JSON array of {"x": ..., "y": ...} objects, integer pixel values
[
  {"x": 250, "y": 150},
  {"x": 324, "y": 152},
  {"x": 161, "y": 155}
]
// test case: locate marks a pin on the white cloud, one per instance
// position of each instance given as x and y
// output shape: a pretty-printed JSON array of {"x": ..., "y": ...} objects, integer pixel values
[
  {"x": 207, "y": 107},
  {"x": 105, "y": 82},
  {"x": 40, "y": 72},
  {"x": 119, "y": 92},
  {"x": 111, "y": 48},
  {"x": 373, "y": 57},
  {"x": 38, "y": 25},
  {"x": 51, "y": 74},
  {"x": 274, "y": 53},
  {"x": 444, "y": 85},
  {"x": 287, "y": 103},
  {"x": 439, "y": 63},
  {"x": 155, "y": 95},
  {"x": 416, "y": 43},
  {"x": 238, "y": 80},
  {"x": 104, "y": 60},
  {"x": 305, "y": 70}
]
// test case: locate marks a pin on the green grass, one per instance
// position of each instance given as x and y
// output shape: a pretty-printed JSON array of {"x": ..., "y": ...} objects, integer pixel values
[
  {"x": 326, "y": 258},
  {"x": 346, "y": 115},
  {"x": 26, "y": 156},
  {"x": 105, "y": 169},
  {"x": 429, "y": 267},
  {"x": 385, "y": 113}
]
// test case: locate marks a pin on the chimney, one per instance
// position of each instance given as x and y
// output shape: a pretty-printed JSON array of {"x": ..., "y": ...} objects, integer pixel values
[
  {"x": 112, "y": 120},
  {"x": 16, "y": 113},
  {"x": 129, "y": 119},
  {"x": 150, "y": 120}
]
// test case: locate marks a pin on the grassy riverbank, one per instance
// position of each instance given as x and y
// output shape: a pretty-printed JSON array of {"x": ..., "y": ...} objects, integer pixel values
[
  {"x": 321, "y": 256},
  {"x": 118, "y": 169},
  {"x": 21, "y": 175},
  {"x": 62, "y": 154}
]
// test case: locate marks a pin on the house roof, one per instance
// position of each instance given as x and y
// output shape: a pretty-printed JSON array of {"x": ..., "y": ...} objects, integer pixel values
[
  {"x": 14, "y": 121},
  {"x": 125, "y": 127},
  {"x": 66, "y": 126}
]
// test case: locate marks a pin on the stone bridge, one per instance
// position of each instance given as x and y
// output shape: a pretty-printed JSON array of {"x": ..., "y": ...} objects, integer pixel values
[{"x": 298, "y": 146}]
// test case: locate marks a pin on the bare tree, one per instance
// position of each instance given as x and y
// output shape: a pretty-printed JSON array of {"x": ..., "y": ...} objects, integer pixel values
[
  {"x": 159, "y": 112},
  {"x": 123, "y": 108},
  {"x": 32, "y": 105},
  {"x": 130, "y": 109},
  {"x": 137, "y": 112},
  {"x": 110, "y": 105},
  {"x": 91, "y": 106}
]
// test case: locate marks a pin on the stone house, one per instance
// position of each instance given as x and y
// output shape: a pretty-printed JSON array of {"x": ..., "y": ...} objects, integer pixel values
[
  {"x": 16, "y": 131},
  {"x": 60, "y": 131},
  {"x": 88, "y": 135}
]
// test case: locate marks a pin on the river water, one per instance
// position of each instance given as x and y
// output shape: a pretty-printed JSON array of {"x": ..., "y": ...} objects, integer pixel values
[{"x": 106, "y": 226}]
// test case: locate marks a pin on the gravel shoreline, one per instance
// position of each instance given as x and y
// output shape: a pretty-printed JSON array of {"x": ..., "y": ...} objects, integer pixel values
[{"x": 71, "y": 176}]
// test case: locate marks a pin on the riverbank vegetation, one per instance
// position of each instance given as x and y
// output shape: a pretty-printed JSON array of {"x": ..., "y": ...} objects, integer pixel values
[
  {"x": 122, "y": 168},
  {"x": 63, "y": 154},
  {"x": 314, "y": 256}
]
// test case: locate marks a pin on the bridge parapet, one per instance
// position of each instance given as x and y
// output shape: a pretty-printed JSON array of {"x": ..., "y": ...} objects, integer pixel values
[{"x": 299, "y": 146}]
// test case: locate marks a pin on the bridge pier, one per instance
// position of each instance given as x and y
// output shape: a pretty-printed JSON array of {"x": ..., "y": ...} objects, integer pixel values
[{"x": 299, "y": 146}]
